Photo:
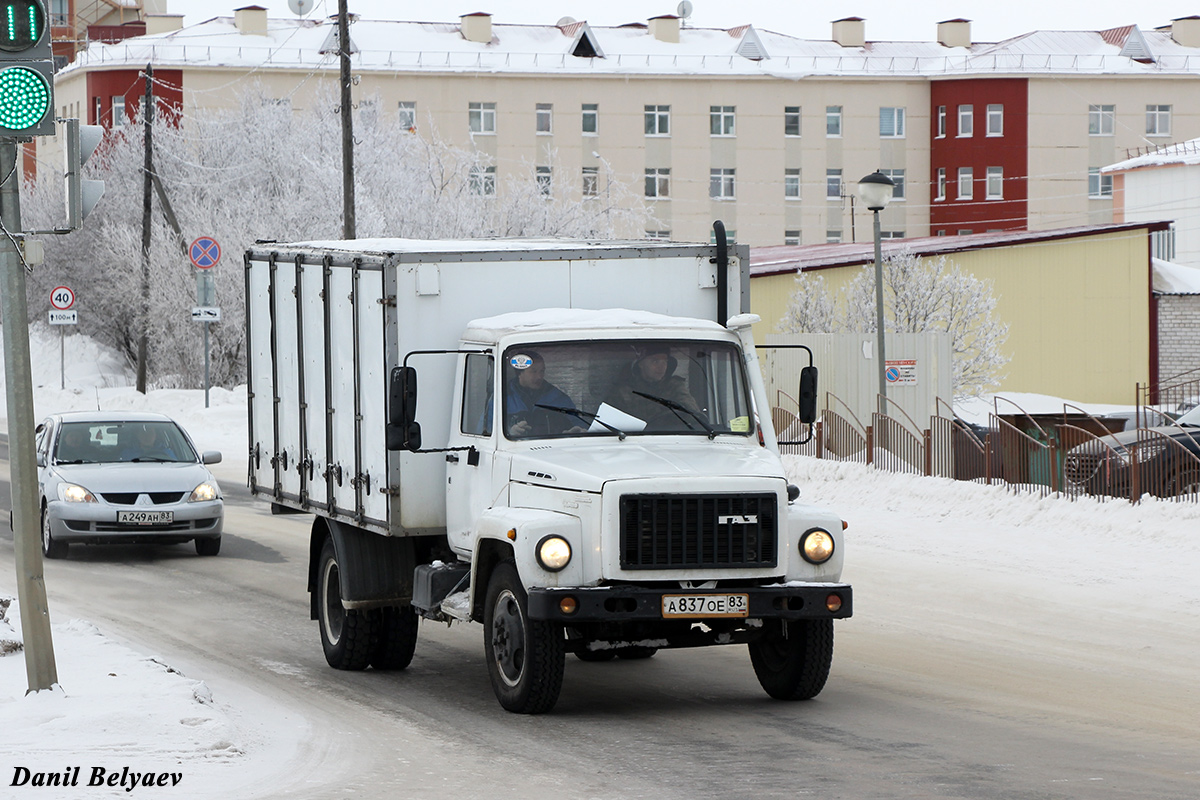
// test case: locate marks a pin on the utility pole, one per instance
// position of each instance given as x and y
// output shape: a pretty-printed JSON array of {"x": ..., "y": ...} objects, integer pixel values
[
  {"x": 31, "y": 585},
  {"x": 147, "y": 197},
  {"x": 348, "y": 221}
]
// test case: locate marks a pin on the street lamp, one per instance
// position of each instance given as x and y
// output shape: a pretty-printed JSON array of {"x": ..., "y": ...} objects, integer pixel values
[{"x": 875, "y": 192}]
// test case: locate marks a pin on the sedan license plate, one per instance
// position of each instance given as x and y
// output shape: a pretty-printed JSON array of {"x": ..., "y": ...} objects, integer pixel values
[
  {"x": 146, "y": 517},
  {"x": 705, "y": 605}
]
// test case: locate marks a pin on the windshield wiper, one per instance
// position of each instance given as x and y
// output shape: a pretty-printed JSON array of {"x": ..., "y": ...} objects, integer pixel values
[
  {"x": 155, "y": 459},
  {"x": 74, "y": 461},
  {"x": 677, "y": 407},
  {"x": 586, "y": 416}
]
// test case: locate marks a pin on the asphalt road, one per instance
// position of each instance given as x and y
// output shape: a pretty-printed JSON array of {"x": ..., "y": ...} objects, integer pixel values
[{"x": 912, "y": 710}]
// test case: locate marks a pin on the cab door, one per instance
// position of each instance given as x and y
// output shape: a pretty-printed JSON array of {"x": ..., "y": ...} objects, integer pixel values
[{"x": 469, "y": 478}]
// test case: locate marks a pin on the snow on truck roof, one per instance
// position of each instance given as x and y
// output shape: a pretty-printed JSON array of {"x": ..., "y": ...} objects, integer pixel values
[
  {"x": 606, "y": 321},
  {"x": 396, "y": 245}
]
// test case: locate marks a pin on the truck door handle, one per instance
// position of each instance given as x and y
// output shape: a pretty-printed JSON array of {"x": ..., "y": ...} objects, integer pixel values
[{"x": 451, "y": 458}]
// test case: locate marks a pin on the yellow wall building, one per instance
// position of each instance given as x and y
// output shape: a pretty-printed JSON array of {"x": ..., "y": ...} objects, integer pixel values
[{"x": 1078, "y": 301}]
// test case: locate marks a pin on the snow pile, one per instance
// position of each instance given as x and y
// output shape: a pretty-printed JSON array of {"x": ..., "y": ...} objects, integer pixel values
[{"x": 120, "y": 712}]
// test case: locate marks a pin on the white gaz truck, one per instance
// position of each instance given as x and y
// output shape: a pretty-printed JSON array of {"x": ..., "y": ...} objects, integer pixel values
[{"x": 568, "y": 442}]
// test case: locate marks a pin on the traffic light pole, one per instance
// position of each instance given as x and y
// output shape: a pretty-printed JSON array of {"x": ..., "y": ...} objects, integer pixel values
[{"x": 40, "y": 668}]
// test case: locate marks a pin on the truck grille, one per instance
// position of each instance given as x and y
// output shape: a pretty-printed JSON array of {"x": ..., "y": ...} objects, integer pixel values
[{"x": 689, "y": 531}]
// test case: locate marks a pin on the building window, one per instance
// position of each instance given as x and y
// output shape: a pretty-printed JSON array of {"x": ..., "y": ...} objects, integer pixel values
[
  {"x": 965, "y": 231},
  {"x": 891, "y": 123},
  {"x": 658, "y": 120},
  {"x": 833, "y": 184},
  {"x": 966, "y": 120},
  {"x": 966, "y": 181},
  {"x": 791, "y": 184},
  {"x": 941, "y": 121},
  {"x": 891, "y": 234},
  {"x": 995, "y": 120},
  {"x": 1158, "y": 120},
  {"x": 720, "y": 184},
  {"x": 659, "y": 235},
  {"x": 483, "y": 181},
  {"x": 791, "y": 121},
  {"x": 98, "y": 106},
  {"x": 897, "y": 176},
  {"x": 591, "y": 181},
  {"x": 60, "y": 14},
  {"x": 544, "y": 179},
  {"x": 482, "y": 117},
  {"x": 833, "y": 237},
  {"x": 721, "y": 120},
  {"x": 658, "y": 183},
  {"x": 408, "y": 117},
  {"x": 545, "y": 113},
  {"x": 1099, "y": 185},
  {"x": 591, "y": 119},
  {"x": 730, "y": 237},
  {"x": 118, "y": 114},
  {"x": 941, "y": 184},
  {"x": 791, "y": 237},
  {"x": 833, "y": 121},
  {"x": 1102, "y": 120},
  {"x": 995, "y": 183},
  {"x": 1162, "y": 244}
]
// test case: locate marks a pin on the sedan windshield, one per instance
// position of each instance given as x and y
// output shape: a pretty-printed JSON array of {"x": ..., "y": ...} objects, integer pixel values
[
  {"x": 112, "y": 442},
  {"x": 1192, "y": 417},
  {"x": 620, "y": 388}
]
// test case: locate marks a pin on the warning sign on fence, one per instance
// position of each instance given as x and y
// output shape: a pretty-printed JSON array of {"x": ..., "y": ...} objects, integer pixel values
[{"x": 902, "y": 372}]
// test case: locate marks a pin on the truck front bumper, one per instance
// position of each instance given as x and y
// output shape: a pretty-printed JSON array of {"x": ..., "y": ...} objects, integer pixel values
[{"x": 639, "y": 603}]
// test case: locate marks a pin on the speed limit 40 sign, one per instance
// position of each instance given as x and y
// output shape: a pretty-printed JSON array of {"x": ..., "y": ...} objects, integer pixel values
[{"x": 62, "y": 298}]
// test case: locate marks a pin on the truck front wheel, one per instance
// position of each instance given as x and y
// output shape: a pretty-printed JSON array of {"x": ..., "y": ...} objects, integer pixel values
[
  {"x": 792, "y": 662},
  {"x": 349, "y": 637},
  {"x": 525, "y": 658}
]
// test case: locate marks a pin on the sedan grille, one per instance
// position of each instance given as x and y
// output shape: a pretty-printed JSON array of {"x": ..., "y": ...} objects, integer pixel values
[
  {"x": 129, "y": 498},
  {"x": 691, "y": 531}
]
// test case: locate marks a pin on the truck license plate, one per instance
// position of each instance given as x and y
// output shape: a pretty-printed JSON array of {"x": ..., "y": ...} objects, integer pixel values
[
  {"x": 705, "y": 605},
  {"x": 146, "y": 517}
]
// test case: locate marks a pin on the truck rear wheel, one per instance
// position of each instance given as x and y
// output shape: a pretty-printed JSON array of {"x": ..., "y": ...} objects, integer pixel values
[
  {"x": 397, "y": 638},
  {"x": 349, "y": 637},
  {"x": 793, "y": 663},
  {"x": 525, "y": 658}
]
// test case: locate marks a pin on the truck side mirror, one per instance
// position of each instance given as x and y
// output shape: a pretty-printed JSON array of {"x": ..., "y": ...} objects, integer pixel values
[
  {"x": 403, "y": 431},
  {"x": 808, "y": 395}
]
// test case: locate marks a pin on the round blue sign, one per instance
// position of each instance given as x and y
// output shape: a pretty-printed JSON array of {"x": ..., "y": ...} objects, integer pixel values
[{"x": 205, "y": 252}]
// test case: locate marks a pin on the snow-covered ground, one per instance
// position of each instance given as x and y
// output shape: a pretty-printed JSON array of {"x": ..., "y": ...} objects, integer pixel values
[{"x": 128, "y": 708}]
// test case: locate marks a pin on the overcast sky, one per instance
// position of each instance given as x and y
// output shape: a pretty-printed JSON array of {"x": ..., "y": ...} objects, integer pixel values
[{"x": 886, "y": 19}]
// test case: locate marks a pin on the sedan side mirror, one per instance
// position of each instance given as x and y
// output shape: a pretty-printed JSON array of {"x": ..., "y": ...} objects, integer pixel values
[
  {"x": 41, "y": 459},
  {"x": 211, "y": 457}
]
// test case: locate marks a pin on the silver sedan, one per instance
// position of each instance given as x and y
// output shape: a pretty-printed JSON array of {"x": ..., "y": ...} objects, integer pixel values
[{"x": 122, "y": 477}]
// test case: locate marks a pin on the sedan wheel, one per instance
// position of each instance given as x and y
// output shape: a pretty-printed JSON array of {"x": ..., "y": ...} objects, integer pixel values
[{"x": 51, "y": 548}]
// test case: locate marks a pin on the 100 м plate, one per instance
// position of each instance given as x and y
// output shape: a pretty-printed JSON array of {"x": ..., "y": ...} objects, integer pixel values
[
  {"x": 705, "y": 605},
  {"x": 146, "y": 517}
]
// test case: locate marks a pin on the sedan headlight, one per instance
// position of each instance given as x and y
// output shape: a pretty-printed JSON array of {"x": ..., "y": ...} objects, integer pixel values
[
  {"x": 816, "y": 546},
  {"x": 70, "y": 493},
  {"x": 203, "y": 493},
  {"x": 554, "y": 553}
]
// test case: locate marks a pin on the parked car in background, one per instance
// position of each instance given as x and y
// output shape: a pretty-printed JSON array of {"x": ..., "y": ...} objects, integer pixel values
[
  {"x": 1167, "y": 459},
  {"x": 108, "y": 477}
]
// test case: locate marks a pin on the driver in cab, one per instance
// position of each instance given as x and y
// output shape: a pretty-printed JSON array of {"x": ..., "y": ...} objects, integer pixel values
[
  {"x": 651, "y": 376},
  {"x": 527, "y": 395}
]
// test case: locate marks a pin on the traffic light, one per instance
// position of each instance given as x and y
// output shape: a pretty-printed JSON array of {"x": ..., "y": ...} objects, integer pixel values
[
  {"x": 82, "y": 195},
  {"x": 26, "y": 70}
]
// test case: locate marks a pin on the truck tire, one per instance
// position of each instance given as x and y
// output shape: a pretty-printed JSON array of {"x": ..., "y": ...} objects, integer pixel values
[
  {"x": 525, "y": 657},
  {"x": 51, "y": 548},
  {"x": 794, "y": 666},
  {"x": 397, "y": 638},
  {"x": 349, "y": 637}
]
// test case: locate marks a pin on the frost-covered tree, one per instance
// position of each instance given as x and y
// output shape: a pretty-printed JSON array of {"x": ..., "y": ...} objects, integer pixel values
[
  {"x": 920, "y": 295},
  {"x": 261, "y": 171}
]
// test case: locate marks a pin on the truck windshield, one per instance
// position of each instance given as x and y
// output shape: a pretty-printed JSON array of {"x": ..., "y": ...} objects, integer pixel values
[{"x": 618, "y": 388}]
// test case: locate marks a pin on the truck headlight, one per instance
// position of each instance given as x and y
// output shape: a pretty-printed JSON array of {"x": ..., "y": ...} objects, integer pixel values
[
  {"x": 70, "y": 493},
  {"x": 204, "y": 492},
  {"x": 553, "y": 553},
  {"x": 816, "y": 546}
]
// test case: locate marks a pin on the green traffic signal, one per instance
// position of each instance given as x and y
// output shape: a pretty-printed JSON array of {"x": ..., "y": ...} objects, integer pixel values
[
  {"x": 23, "y": 24},
  {"x": 24, "y": 98}
]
